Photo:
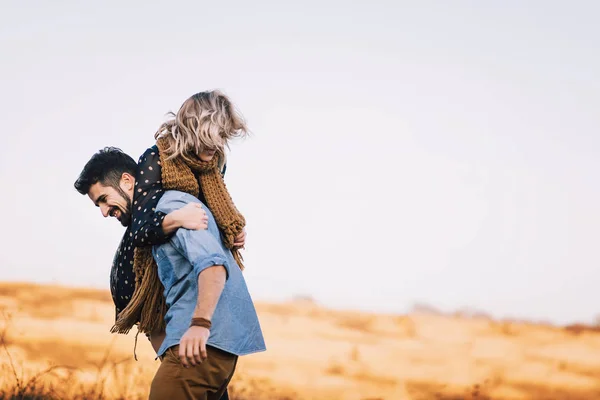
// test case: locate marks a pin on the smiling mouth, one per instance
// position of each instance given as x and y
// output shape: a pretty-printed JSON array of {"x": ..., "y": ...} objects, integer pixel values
[{"x": 113, "y": 213}]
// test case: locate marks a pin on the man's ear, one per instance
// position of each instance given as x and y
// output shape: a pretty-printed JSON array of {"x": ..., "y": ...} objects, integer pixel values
[{"x": 127, "y": 181}]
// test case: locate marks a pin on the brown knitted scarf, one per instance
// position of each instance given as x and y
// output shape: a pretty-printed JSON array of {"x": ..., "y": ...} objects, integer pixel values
[{"x": 147, "y": 305}]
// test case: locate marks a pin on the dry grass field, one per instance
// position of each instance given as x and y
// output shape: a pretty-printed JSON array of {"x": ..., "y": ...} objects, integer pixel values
[{"x": 55, "y": 344}]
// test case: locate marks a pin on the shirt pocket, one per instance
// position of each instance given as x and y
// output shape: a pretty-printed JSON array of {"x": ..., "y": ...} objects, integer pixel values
[{"x": 165, "y": 269}]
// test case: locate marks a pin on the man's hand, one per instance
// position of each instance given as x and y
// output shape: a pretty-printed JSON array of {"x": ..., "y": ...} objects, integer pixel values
[
  {"x": 240, "y": 240},
  {"x": 192, "y": 346},
  {"x": 191, "y": 216}
]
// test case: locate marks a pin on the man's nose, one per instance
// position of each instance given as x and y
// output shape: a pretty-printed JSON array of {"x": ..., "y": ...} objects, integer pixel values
[{"x": 105, "y": 209}]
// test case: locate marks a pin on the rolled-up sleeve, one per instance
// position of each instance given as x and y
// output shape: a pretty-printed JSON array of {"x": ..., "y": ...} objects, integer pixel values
[{"x": 201, "y": 249}]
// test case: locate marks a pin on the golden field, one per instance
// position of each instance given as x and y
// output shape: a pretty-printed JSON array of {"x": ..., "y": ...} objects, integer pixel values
[{"x": 55, "y": 343}]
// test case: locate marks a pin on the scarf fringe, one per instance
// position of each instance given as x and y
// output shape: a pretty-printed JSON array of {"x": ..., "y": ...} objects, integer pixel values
[{"x": 147, "y": 306}]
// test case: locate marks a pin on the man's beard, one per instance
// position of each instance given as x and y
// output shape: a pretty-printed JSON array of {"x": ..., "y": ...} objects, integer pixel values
[{"x": 125, "y": 214}]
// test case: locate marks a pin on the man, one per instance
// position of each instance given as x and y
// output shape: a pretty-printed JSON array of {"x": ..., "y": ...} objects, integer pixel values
[
  {"x": 211, "y": 319},
  {"x": 108, "y": 175}
]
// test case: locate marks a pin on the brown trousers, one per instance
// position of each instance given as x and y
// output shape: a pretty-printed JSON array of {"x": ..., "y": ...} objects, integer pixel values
[{"x": 205, "y": 381}]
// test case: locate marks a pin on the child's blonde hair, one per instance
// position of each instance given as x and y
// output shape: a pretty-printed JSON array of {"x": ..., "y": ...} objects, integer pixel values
[{"x": 207, "y": 120}]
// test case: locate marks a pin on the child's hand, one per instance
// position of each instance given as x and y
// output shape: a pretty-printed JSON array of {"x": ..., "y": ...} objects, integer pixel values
[
  {"x": 240, "y": 240},
  {"x": 191, "y": 216}
]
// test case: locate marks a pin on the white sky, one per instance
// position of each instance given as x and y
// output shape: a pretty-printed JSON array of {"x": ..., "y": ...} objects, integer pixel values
[{"x": 443, "y": 153}]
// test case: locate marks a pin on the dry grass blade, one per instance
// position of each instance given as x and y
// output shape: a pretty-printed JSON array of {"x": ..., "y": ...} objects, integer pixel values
[{"x": 7, "y": 320}]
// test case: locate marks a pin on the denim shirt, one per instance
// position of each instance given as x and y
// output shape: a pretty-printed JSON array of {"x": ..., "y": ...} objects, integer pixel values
[{"x": 235, "y": 326}]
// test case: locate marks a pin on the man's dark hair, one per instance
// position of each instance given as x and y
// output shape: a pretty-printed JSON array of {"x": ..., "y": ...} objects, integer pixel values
[{"x": 106, "y": 166}]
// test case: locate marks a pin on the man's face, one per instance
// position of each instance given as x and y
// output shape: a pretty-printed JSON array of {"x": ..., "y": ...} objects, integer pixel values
[{"x": 114, "y": 202}]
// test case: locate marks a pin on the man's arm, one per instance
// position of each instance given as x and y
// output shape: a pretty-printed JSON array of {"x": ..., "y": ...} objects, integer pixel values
[
  {"x": 210, "y": 268},
  {"x": 211, "y": 282},
  {"x": 204, "y": 252},
  {"x": 192, "y": 346}
]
